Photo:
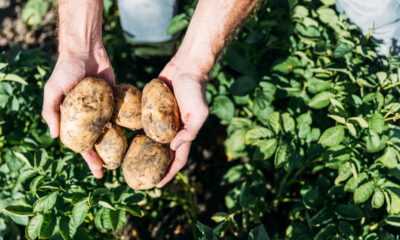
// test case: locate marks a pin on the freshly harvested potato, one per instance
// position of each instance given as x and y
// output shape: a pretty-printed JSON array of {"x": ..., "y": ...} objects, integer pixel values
[
  {"x": 146, "y": 163},
  {"x": 160, "y": 113},
  {"x": 84, "y": 113},
  {"x": 111, "y": 146},
  {"x": 127, "y": 108}
]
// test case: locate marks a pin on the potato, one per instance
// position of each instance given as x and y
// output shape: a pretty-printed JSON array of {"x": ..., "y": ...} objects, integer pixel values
[
  {"x": 160, "y": 113},
  {"x": 111, "y": 146},
  {"x": 146, "y": 163},
  {"x": 84, "y": 113},
  {"x": 127, "y": 108}
]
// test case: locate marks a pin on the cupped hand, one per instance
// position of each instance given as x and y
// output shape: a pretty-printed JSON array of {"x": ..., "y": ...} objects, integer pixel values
[
  {"x": 69, "y": 70},
  {"x": 189, "y": 91}
]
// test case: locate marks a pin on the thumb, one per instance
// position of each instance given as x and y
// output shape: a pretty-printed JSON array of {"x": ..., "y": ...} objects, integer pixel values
[{"x": 53, "y": 95}]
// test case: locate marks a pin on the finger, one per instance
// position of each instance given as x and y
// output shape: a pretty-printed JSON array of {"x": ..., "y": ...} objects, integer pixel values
[
  {"x": 51, "y": 107},
  {"x": 94, "y": 162},
  {"x": 190, "y": 130},
  {"x": 181, "y": 156}
]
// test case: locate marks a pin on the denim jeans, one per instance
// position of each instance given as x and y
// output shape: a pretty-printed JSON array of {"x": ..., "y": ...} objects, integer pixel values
[
  {"x": 380, "y": 17},
  {"x": 146, "y": 21}
]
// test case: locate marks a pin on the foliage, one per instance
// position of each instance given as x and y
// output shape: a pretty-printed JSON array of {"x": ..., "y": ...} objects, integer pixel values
[
  {"x": 312, "y": 141},
  {"x": 311, "y": 113}
]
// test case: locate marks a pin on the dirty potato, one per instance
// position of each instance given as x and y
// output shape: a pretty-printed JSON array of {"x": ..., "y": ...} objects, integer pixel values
[
  {"x": 127, "y": 108},
  {"x": 146, "y": 163},
  {"x": 160, "y": 113},
  {"x": 111, "y": 146},
  {"x": 84, "y": 113}
]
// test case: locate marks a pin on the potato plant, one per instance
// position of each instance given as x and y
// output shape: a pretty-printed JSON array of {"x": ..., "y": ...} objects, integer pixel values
[{"x": 311, "y": 111}]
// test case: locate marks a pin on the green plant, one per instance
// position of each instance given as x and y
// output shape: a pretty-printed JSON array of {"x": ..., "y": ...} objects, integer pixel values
[{"x": 311, "y": 116}]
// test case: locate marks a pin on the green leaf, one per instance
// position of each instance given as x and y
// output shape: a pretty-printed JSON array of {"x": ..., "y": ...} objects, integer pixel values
[
  {"x": 342, "y": 49},
  {"x": 377, "y": 123},
  {"x": 116, "y": 219},
  {"x": 378, "y": 199},
  {"x": 206, "y": 233},
  {"x": 258, "y": 233},
  {"x": 219, "y": 217},
  {"x": 344, "y": 173},
  {"x": 353, "y": 182},
  {"x": 106, "y": 205},
  {"x": 389, "y": 158},
  {"x": 63, "y": 228},
  {"x": 275, "y": 122},
  {"x": 361, "y": 121},
  {"x": 24, "y": 159},
  {"x": 326, "y": 233},
  {"x": 79, "y": 212},
  {"x": 48, "y": 227},
  {"x": 346, "y": 228},
  {"x": 321, "y": 100},
  {"x": 34, "y": 226},
  {"x": 134, "y": 210},
  {"x": 288, "y": 65},
  {"x": 239, "y": 63},
  {"x": 98, "y": 220},
  {"x": 178, "y": 23},
  {"x": 267, "y": 147},
  {"x": 322, "y": 217},
  {"x": 223, "y": 108},
  {"x": 20, "y": 209},
  {"x": 257, "y": 133},
  {"x": 374, "y": 143},
  {"x": 243, "y": 85},
  {"x": 12, "y": 77},
  {"x": 364, "y": 192},
  {"x": 332, "y": 136},
  {"x": 349, "y": 212},
  {"x": 288, "y": 122},
  {"x": 45, "y": 203},
  {"x": 393, "y": 220},
  {"x": 282, "y": 155},
  {"x": 315, "y": 86},
  {"x": 21, "y": 220}
]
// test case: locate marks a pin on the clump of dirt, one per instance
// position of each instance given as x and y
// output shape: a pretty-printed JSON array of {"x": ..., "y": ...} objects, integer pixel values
[{"x": 14, "y": 31}]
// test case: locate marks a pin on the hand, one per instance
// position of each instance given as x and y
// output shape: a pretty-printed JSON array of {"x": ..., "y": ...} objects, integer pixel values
[
  {"x": 69, "y": 70},
  {"x": 189, "y": 90}
]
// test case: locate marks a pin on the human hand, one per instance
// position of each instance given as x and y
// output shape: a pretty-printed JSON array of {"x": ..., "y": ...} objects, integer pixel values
[
  {"x": 189, "y": 90},
  {"x": 69, "y": 70}
]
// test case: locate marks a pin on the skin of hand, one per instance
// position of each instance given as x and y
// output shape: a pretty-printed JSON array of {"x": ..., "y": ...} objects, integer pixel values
[
  {"x": 187, "y": 72},
  {"x": 81, "y": 54}
]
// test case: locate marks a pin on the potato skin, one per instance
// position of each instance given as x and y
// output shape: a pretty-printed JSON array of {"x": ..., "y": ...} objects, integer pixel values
[
  {"x": 111, "y": 146},
  {"x": 127, "y": 108},
  {"x": 84, "y": 113},
  {"x": 160, "y": 112},
  {"x": 146, "y": 163}
]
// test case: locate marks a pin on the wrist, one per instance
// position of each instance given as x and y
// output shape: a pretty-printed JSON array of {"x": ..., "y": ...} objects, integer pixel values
[
  {"x": 179, "y": 68},
  {"x": 80, "y": 26}
]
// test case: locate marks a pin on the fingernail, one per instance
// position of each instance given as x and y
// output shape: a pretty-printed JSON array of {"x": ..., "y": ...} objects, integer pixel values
[
  {"x": 97, "y": 173},
  {"x": 53, "y": 133},
  {"x": 176, "y": 145}
]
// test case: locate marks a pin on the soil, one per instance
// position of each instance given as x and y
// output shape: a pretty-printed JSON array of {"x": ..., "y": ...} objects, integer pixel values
[{"x": 14, "y": 31}]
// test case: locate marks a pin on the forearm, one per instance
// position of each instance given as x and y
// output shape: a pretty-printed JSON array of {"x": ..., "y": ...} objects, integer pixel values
[
  {"x": 212, "y": 24},
  {"x": 80, "y": 25}
]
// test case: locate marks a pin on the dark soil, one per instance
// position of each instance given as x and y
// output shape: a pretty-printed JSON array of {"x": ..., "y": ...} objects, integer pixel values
[{"x": 14, "y": 31}]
